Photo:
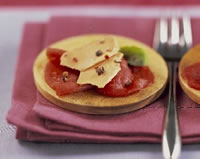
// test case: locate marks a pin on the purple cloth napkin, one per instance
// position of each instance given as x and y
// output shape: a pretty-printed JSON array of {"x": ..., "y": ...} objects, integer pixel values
[{"x": 39, "y": 120}]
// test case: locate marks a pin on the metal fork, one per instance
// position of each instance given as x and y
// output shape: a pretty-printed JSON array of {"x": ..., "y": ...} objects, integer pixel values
[{"x": 172, "y": 40}]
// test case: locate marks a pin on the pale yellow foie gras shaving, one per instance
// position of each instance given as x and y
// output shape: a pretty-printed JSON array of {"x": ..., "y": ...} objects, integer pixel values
[
  {"x": 85, "y": 56},
  {"x": 110, "y": 67}
]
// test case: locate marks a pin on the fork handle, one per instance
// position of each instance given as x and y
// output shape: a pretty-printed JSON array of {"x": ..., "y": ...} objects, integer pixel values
[{"x": 171, "y": 140}]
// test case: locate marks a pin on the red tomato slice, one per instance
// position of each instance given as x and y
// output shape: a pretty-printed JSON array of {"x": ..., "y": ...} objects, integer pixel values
[
  {"x": 54, "y": 78},
  {"x": 54, "y": 54},
  {"x": 128, "y": 80},
  {"x": 143, "y": 77},
  {"x": 119, "y": 84}
]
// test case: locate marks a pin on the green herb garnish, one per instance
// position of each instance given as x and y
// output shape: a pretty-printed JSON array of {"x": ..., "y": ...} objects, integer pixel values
[{"x": 135, "y": 56}]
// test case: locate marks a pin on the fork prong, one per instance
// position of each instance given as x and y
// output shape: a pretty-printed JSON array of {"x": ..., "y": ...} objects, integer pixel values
[
  {"x": 175, "y": 31},
  {"x": 163, "y": 30},
  {"x": 174, "y": 39},
  {"x": 187, "y": 31},
  {"x": 160, "y": 35},
  {"x": 186, "y": 35}
]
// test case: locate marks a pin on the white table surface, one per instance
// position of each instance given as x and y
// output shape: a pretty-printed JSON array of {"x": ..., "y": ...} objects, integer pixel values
[{"x": 11, "y": 23}]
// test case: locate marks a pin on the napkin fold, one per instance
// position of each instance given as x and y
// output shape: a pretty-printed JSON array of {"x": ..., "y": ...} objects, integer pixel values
[{"x": 39, "y": 120}]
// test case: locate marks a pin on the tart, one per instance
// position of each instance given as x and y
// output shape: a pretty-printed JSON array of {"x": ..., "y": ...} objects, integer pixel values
[{"x": 93, "y": 101}]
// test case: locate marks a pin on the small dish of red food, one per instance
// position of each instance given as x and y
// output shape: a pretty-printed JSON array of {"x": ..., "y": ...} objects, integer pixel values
[{"x": 189, "y": 73}]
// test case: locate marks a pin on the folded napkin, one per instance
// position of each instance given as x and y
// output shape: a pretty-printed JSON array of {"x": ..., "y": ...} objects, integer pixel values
[{"x": 39, "y": 120}]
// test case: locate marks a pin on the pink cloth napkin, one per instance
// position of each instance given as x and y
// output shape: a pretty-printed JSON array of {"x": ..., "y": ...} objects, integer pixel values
[{"x": 39, "y": 120}]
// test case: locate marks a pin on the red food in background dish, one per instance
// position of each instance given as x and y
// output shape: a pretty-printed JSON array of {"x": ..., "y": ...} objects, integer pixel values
[
  {"x": 192, "y": 75},
  {"x": 128, "y": 80}
]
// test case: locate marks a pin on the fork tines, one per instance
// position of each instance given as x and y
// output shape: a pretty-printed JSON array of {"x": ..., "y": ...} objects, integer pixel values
[{"x": 173, "y": 36}]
